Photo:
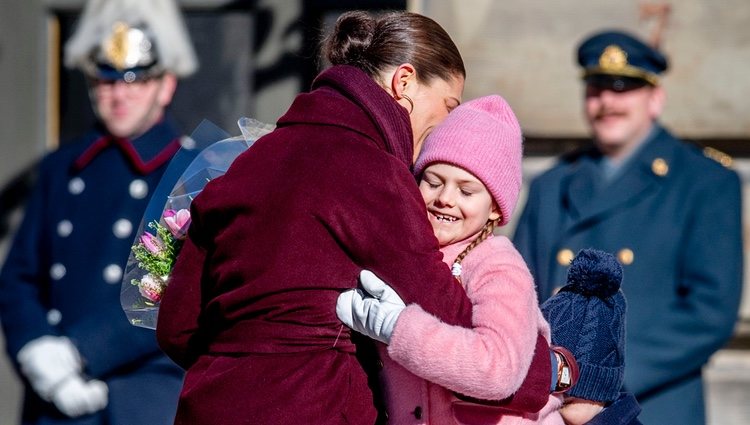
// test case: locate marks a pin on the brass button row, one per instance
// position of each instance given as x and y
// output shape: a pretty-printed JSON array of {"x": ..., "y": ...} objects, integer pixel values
[{"x": 625, "y": 256}]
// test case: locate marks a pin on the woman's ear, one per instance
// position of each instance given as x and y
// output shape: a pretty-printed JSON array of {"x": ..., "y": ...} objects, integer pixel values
[{"x": 404, "y": 75}]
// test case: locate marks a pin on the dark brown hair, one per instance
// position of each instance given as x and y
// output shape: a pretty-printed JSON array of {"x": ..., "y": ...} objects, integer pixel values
[{"x": 374, "y": 43}]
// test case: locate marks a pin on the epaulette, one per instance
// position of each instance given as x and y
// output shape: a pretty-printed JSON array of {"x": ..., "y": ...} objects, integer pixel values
[{"x": 718, "y": 156}]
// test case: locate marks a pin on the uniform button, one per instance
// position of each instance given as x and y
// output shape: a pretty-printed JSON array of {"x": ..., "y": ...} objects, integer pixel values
[
  {"x": 187, "y": 142},
  {"x": 64, "y": 228},
  {"x": 625, "y": 256},
  {"x": 57, "y": 271},
  {"x": 122, "y": 228},
  {"x": 76, "y": 185},
  {"x": 565, "y": 256},
  {"x": 112, "y": 274},
  {"x": 138, "y": 189},
  {"x": 54, "y": 317},
  {"x": 660, "y": 167},
  {"x": 380, "y": 364}
]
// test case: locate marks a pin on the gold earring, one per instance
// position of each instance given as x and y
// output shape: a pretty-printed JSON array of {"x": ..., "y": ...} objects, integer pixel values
[{"x": 411, "y": 103}]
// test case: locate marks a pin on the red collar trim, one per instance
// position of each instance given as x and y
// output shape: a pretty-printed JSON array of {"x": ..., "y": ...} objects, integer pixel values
[{"x": 135, "y": 160}]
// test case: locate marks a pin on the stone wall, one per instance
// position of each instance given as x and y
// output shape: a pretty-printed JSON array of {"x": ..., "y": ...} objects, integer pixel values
[{"x": 525, "y": 51}]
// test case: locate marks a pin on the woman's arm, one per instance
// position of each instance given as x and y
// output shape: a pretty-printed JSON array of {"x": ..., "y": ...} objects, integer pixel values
[{"x": 380, "y": 221}]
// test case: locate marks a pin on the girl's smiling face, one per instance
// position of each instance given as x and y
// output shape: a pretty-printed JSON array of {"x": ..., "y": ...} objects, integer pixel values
[{"x": 458, "y": 203}]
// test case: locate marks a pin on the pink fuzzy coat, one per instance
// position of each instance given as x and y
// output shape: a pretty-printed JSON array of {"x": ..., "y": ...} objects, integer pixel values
[{"x": 487, "y": 362}]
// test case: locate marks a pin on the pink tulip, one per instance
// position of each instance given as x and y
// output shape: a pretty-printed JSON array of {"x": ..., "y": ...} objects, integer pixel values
[
  {"x": 177, "y": 222},
  {"x": 150, "y": 288},
  {"x": 151, "y": 243}
]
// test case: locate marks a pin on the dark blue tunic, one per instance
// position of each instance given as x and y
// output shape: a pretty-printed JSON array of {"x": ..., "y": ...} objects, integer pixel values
[
  {"x": 673, "y": 218},
  {"x": 64, "y": 270}
]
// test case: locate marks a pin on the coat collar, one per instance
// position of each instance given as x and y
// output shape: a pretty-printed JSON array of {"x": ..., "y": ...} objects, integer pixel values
[
  {"x": 587, "y": 200},
  {"x": 353, "y": 100},
  {"x": 145, "y": 153}
]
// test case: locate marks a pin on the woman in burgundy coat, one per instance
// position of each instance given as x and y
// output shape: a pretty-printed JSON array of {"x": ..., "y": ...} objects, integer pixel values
[{"x": 250, "y": 310}]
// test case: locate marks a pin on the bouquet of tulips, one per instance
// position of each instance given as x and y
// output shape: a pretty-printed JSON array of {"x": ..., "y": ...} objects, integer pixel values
[
  {"x": 207, "y": 154},
  {"x": 157, "y": 252}
]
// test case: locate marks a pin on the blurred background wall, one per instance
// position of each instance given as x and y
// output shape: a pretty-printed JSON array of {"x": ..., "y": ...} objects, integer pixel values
[{"x": 257, "y": 54}]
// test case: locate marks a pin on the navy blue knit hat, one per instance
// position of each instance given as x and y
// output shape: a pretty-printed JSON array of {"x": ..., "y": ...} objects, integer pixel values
[{"x": 587, "y": 316}]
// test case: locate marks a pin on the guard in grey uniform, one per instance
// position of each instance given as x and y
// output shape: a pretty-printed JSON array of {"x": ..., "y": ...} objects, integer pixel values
[
  {"x": 80, "y": 359},
  {"x": 671, "y": 215}
]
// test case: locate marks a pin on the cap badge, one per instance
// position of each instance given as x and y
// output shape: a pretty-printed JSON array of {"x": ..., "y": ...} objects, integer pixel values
[
  {"x": 613, "y": 58},
  {"x": 116, "y": 46},
  {"x": 127, "y": 47}
]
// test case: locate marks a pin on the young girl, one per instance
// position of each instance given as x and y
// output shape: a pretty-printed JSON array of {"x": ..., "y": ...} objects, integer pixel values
[{"x": 470, "y": 170}]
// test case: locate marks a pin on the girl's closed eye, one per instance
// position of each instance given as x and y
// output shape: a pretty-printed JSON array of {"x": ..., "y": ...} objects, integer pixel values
[
  {"x": 432, "y": 181},
  {"x": 467, "y": 192},
  {"x": 433, "y": 184}
]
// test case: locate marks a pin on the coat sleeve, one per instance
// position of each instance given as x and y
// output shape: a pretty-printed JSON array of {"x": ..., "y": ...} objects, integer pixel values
[
  {"x": 708, "y": 289},
  {"x": 383, "y": 227},
  {"x": 490, "y": 360},
  {"x": 22, "y": 312},
  {"x": 177, "y": 328}
]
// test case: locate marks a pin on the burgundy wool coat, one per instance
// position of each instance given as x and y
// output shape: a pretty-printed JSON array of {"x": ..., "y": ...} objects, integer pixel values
[{"x": 250, "y": 308}]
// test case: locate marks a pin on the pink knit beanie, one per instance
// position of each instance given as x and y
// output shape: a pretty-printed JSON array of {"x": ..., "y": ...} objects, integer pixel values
[{"x": 483, "y": 137}]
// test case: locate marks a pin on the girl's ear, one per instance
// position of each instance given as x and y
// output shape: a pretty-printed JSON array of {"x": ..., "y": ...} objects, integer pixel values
[{"x": 495, "y": 213}]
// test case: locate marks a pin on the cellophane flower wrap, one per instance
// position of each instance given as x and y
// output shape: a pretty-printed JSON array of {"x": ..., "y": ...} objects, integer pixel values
[{"x": 207, "y": 154}]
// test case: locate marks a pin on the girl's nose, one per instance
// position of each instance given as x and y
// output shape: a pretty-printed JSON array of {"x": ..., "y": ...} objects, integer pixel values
[{"x": 446, "y": 197}]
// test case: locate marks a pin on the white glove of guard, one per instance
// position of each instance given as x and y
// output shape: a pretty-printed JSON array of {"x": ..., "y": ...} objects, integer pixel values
[
  {"x": 76, "y": 397},
  {"x": 374, "y": 314},
  {"x": 47, "y": 361}
]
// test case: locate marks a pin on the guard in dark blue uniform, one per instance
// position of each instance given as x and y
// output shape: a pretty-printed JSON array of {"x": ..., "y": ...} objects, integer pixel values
[
  {"x": 671, "y": 215},
  {"x": 80, "y": 359}
]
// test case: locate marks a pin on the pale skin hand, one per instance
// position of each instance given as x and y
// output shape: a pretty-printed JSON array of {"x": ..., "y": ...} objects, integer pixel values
[{"x": 578, "y": 411}]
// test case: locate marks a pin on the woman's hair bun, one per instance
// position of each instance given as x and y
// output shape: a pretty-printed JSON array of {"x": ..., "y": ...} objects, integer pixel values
[{"x": 351, "y": 37}]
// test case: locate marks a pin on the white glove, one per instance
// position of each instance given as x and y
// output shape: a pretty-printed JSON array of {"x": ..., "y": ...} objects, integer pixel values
[
  {"x": 76, "y": 397},
  {"x": 375, "y": 314},
  {"x": 47, "y": 361}
]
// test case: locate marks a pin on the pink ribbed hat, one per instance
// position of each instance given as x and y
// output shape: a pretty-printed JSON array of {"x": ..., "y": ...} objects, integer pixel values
[{"x": 483, "y": 137}]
